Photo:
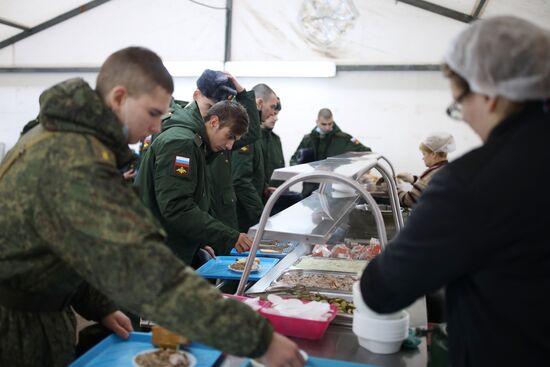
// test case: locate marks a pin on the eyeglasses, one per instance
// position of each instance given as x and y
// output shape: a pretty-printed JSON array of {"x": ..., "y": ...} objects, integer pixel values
[{"x": 454, "y": 110}]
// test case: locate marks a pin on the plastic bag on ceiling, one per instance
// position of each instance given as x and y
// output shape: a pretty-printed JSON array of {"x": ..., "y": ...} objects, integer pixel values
[{"x": 324, "y": 22}]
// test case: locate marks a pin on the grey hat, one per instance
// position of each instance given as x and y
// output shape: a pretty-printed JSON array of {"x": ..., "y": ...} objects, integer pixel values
[{"x": 215, "y": 85}]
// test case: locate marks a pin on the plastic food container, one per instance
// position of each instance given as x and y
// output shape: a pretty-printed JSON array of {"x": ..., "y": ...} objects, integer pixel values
[
  {"x": 298, "y": 327},
  {"x": 293, "y": 326}
]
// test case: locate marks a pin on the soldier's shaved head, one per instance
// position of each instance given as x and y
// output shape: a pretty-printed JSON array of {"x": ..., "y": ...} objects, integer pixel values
[
  {"x": 324, "y": 113},
  {"x": 263, "y": 91},
  {"x": 138, "y": 69}
]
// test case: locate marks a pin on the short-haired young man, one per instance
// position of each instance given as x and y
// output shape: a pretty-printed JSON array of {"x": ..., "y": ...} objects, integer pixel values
[
  {"x": 173, "y": 178},
  {"x": 75, "y": 234}
]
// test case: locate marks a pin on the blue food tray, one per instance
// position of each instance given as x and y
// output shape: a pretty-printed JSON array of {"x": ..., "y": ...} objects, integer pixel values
[
  {"x": 218, "y": 268},
  {"x": 322, "y": 362},
  {"x": 260, "y": 253},
  {"x": 114, "y": 352}
]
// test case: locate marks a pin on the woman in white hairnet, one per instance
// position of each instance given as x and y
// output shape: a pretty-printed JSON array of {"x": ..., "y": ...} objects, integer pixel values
[
  {"x": 434, "y": 150},
  {"x": 477, "y": 231}
]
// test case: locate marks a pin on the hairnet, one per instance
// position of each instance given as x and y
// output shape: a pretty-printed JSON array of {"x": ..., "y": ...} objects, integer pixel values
[
  {"x": 503, "y": 56},
  {"x": 440, "y": 142}
]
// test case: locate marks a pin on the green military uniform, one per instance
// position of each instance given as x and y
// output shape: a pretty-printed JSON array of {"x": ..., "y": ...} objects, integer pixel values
[
  {"x": 249, "y": 183},
  {"x": 173, "y": 183},
  {"x": 71, "y": 226},
  {"x": 328, "y": 145},
  {"x": 273, "y": 155},
  {"x": 223, "y": 202}
]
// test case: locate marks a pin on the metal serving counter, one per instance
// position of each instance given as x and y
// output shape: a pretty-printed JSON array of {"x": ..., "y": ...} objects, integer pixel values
[
  {"x": 314, "y": 221},
  {"x": 340, "y": 343}
]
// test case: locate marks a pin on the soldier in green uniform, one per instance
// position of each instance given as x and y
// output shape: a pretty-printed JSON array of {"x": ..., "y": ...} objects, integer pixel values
[
  {"x": 75, "y": 234},
  {"x": 248, "y": 165},
  {"x": 173, "y": 179},
  {"x": 325, "y": 140},
  {"x": 223, "y": 201},
  {"x": 272, "y": 151}
]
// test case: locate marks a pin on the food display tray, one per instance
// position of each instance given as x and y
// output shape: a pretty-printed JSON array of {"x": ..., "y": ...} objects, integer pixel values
[
  {"x": 359, "y": 265},
  {"x": 115, "y": 352},
  {"x": 291, "y": 246},
  {"x": 319, "y": 362},
  {"x": 218, "y": 268},
  {"x": 278, "y": 283}
]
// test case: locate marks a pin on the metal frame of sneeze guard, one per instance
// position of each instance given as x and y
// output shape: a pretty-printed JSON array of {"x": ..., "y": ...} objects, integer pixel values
[{"x": 329, "y": 177}]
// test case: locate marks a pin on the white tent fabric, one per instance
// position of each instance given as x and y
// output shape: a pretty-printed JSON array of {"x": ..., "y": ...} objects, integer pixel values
[
  {"x": 388, "y": 111},
  {"x": 382, "y": 32}
]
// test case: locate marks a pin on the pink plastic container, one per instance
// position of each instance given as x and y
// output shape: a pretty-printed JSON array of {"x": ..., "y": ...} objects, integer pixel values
[
  {"x": 299, "y": 328},
  {"x": 293, "y": 326}
]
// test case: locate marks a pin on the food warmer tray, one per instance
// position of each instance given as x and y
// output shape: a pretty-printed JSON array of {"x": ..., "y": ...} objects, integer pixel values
[{"x": 339, "y": 274}]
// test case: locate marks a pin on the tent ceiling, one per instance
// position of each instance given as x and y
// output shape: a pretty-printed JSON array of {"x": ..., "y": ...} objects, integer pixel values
[
  {"x": 377, "y": 39},
  {"x": 31, "y": 22},
  {"x": 31, "y": 13}
]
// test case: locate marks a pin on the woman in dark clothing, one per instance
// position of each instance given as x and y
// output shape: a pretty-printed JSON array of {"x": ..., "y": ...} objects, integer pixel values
[{"x": 474, "y": 231}]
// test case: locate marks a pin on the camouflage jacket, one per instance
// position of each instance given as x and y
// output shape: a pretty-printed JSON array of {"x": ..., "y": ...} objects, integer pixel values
[{"x": 70, "y": 226}]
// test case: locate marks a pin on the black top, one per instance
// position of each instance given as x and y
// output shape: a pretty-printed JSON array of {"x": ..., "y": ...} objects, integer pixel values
[{"x": 481, "y": 229}]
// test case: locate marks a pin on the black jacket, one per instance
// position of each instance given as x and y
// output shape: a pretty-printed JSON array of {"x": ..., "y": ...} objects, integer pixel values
[{"x": 481, "y": 230}]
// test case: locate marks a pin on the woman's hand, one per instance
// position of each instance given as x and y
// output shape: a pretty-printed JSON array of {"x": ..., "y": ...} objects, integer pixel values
[{"x": 407, "y": 177}]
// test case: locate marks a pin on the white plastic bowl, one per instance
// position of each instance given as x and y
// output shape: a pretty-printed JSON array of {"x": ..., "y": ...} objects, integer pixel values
[
  {"x": 360, "y": 306},
  {"x": 378, "y": 347},
  {"x": 378, "y": 335},
  {"x": 385, "y": 330}
]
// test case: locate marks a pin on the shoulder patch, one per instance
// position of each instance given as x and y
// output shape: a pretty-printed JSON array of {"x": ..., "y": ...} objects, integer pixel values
[
  {"x": 198, "y": 140},
  {"x": 181, "y": 166},
  {"x": 102, "y": 152},
  {"x": 147, "y": 142},
  {"x": 245, "y": 150}
]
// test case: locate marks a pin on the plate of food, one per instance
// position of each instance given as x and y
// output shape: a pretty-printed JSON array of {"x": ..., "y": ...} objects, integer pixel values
[
  {"x": 239, "y": 265},
  {"x": 161, "y": 357}
]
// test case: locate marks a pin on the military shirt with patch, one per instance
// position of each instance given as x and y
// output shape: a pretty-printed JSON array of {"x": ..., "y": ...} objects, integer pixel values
[
  {"x": 249, "y": 183},
  {"x": 333, "y": 143},
  {"x": 223, "y": 199},
  {"x": 173, "y": 184}
]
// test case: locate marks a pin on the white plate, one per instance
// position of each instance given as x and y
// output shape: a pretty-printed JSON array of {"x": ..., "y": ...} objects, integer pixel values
[
  {"x": 190, "y": 358},
  {"x": 255, "y": 363},
  {"x": 241, "y": 271}
]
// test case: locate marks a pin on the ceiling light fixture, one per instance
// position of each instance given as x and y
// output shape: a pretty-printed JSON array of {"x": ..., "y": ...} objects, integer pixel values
[{"x": 297, "y": 69}]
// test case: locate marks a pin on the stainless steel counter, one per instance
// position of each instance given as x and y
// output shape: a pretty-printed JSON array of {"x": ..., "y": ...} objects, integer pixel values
[{"x": 340, "y": 343}]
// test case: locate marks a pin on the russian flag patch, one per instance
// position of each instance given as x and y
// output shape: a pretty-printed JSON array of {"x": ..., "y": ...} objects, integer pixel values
[{"x": 181, "y": 166}]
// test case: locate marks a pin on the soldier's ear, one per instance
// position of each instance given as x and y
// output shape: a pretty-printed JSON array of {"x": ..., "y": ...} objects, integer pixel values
[
  {"x": 116, "y": 97},
  {"x": 259, "y": 103},
  {"x": 214, "y": 121}
]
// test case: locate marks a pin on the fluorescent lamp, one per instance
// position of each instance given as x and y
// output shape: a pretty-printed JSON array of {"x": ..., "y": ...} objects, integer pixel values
[
  {"x": 191, "y": 68},
  {"x": 300, "y": 69}
]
